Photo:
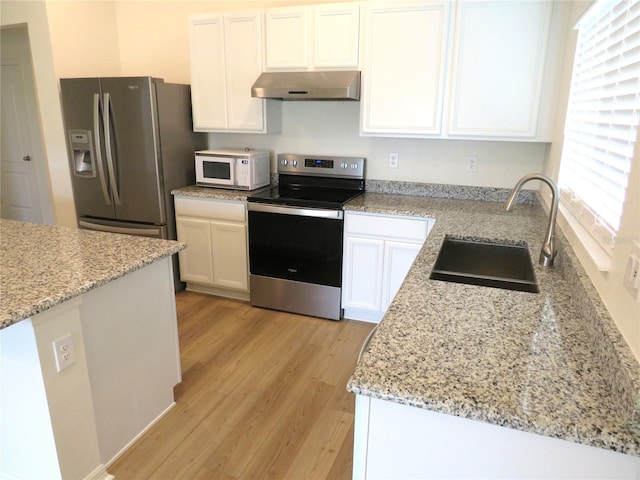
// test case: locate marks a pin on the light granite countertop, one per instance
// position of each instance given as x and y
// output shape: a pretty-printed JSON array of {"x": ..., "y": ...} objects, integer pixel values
[
  {"x": 551, "y": 363},
  {"x": 42, "y": 266},
  {"x": 215, "y": 193}
]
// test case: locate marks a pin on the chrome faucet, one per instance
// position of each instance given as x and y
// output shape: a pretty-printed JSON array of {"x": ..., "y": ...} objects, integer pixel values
[{"x": 548, "y": 252}]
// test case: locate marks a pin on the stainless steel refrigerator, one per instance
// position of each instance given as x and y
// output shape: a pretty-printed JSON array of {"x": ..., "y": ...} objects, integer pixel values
[{"x": 130, "y": 143}]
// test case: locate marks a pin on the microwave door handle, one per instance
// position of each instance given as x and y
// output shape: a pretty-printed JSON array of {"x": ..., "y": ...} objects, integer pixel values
[
  {"x": 98, "y": 147},
  {"x": 106, "y": 115},
  {"x": 232, "y": 173}
]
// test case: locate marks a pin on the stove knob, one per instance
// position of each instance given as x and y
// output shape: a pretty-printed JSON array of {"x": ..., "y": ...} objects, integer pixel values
[
  {"x": 294, "y": 163},
  {"x": 344, "y": 165},
  {"x": 284, "y": 162}
]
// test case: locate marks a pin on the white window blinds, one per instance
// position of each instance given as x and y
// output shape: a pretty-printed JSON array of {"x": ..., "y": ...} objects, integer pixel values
[{"x": 603, "y": 117}]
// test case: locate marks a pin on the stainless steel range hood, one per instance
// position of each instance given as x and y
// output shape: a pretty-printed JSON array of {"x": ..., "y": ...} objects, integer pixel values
[{"x": 334, "y": 85}]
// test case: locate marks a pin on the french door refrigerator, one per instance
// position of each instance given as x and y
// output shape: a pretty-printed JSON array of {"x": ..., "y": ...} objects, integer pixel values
[{"x": 130, "y": 143}]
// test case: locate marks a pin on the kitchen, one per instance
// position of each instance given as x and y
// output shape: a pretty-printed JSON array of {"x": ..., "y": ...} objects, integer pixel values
[{"x": 306, "y": 127}]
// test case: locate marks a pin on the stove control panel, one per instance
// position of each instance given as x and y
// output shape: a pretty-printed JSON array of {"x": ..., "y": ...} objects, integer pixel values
[{"x": 321, "y": 165}]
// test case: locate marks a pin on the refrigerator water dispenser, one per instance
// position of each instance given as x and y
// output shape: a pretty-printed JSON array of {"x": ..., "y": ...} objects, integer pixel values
[{"x": 82, "y": 153}]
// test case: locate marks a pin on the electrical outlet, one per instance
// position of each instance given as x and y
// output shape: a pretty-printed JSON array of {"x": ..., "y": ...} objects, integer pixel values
[
  {"x": 393, "y": 160},
  {"x": 64, "y": 352},
  {"x": 632, "y": 276},
  {"x": 472, "y": 163}
]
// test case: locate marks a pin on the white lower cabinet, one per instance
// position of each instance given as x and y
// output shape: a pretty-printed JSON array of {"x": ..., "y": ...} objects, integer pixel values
[
  {"x": 229, "y": 242},
  {"x": 398, "y": 258},
  {"x": 378, "y": 252},
  {"x": 215, "y": 260},
  {"x": 363, "y": 269},
  {"x": 392, "y": 440},
  {"x": 195, "y": 262}
]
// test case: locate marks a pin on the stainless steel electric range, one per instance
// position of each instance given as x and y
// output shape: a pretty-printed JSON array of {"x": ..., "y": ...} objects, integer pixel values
[{"x": 296, "y": 234}]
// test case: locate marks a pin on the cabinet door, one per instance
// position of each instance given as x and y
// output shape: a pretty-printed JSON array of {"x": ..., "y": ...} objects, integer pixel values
[
  {"x": 287, "y": 38},
  {"x": 336, "y": 35},
  {"x": 362, "y": 273},
  {"x": 400, "y": 441},
  {"x": 398, "y": 258},
  {"x": 195, "y": 260},
  {"x": 243, "y": 47},
  {"x": 404, "y": 61},
  {"x": 208, "y": 83},
  {"x": 229, "y": 249},
  {"x": 498, "y": 64}
]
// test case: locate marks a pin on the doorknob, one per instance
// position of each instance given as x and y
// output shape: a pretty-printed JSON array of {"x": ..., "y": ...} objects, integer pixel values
[{"x": 27, "y": 158}]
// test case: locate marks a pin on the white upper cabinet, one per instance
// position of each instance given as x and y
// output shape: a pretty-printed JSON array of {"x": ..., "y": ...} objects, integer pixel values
[
  {"x": 243, "y": 39},
  {"x": 317, "y": 37},
  {"x": 226, "y": 59},
  {"x": 404, "y": 50},
  {"x": 208, "y": 83},
  {"x": 472, "y": 69},
  {"x": 498, "y": 67},
  {"x": 287, "y": 38},
  {"x": 336, "y": 34}
]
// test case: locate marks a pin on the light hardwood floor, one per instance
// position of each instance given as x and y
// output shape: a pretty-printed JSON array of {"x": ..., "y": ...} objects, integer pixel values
[{"x": 262, "y": 397}]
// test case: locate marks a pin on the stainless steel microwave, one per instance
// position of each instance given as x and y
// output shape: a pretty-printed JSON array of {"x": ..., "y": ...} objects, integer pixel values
[{"x": 234, "y": 169}]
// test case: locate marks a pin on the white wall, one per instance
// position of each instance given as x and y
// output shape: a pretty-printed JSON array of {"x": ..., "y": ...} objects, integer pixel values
[
  {"x": 84, "y": 38},
  {"x": 623, "y": 308},
  {"x": 332, "y": 128}
]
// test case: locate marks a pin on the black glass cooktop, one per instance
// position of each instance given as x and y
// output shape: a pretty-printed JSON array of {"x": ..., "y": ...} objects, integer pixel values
[{"x": 305, "y": 196}]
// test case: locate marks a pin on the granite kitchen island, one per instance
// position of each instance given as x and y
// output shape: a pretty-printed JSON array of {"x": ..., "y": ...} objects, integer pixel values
[{"x": 88, "y": 347}]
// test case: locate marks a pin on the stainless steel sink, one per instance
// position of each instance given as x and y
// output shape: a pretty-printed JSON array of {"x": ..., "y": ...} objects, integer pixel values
[{"x": 485, "y": 262}]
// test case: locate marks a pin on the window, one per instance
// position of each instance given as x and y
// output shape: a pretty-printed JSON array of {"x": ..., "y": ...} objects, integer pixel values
[{"x": 602, "y": 117}]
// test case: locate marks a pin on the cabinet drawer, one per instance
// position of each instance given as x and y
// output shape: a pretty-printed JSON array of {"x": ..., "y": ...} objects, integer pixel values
[
  {"x": 231, "y": 211},
  {"x": 392, "y": 227}
]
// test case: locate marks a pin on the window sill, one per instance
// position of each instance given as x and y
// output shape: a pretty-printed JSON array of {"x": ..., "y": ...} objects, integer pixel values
[{"x": 579, "y": 236}]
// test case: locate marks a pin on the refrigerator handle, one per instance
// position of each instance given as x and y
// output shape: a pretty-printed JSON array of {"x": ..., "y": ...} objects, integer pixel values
[
  {"x": 96, "y": 139},
  {"x": 106, "y": 115}
]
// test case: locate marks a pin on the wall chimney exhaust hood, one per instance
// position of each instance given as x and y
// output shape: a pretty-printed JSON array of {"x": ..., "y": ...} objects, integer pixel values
[{"x": 334, "y": 85}]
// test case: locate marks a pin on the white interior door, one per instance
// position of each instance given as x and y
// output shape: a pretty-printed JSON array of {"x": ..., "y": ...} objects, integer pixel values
[{"x": 24, "y": 193}]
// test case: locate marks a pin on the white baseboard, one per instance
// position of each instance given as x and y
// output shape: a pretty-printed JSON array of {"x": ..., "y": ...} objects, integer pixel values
[
  {"x": 362, "y": 315},
  {"x": 137, "y": 437},
  {"x": 100, "y": 473}
]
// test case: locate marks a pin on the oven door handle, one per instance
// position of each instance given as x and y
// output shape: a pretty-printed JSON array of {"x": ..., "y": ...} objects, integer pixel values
[{"x": 301, "y": 212}]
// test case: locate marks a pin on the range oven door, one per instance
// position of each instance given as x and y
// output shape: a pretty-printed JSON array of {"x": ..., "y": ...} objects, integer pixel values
[
  {"x": 295, "y": 258},
  {"x": 303, "y": 245}
]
